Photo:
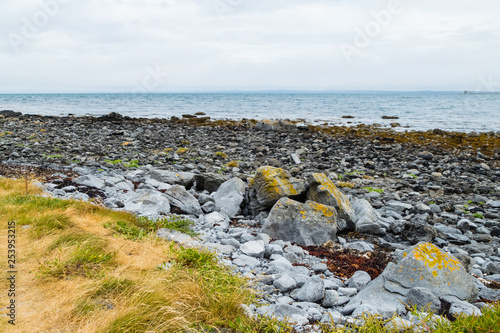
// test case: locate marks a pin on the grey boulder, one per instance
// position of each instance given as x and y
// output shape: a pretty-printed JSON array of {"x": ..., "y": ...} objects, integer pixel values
[
  {"x": 306, "y": 224},
  {"x": 229, "y": 197},
  {"x": 182, "y": 199},
  {"x": 369, "y": 221},
  {"x": 312, "y": 291},
  {"x": 90, "y": 180},
  {"x": 152, "y": 204}
]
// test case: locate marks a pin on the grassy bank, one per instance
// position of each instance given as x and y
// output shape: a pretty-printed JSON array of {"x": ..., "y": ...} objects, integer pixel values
[{"x": 84, "y": 268}]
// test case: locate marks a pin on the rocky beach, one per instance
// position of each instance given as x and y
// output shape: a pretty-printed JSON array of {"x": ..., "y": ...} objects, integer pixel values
[{"x": 330, "y": 222}]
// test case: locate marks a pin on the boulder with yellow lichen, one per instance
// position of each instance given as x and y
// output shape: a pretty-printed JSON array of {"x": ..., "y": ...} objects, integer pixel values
[
  {"x": 324, "y": 191},
  {"x": 423, "y": 267},
  {"x": 306, "y": 224},
  {"x": 271, "y": 184}
]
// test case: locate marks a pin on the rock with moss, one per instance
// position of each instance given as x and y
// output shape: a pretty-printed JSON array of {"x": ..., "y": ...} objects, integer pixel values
[
  {"x": 324, "y": 191},
  {"x": 271, "y": 184},
  {"x": 306, "y": 224}
]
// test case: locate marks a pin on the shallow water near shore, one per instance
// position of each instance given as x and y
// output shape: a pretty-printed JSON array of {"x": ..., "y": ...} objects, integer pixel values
[{"x": 451, "y": 111}]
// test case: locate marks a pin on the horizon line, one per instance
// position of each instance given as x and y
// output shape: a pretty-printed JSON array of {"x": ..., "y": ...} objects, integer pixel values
[{"x": 250, "y": 91}]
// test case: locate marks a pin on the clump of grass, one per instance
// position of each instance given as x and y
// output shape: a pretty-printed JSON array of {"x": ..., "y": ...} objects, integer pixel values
[
  {"x": 114, "y": 162},
  {"x": 371, "y": 189},
  {"x": 5, "y": 133},
  {"x": 345, "y": 184},
  {"x": 87, "y": 259},
  {"x": 221, "y": 154},
  {"x": 478, "y": 215},
  {"x": 232, "y": 164},
  {"x": 182, "y": 150},
  {"x": 142, "y": 227},
  {"x": 131, "y": 164}
]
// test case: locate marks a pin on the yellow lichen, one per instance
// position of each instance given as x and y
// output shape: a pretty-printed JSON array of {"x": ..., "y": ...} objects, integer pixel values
[
  {"x": 432, "y": 257},
  {"x": 277, "y": 181}
]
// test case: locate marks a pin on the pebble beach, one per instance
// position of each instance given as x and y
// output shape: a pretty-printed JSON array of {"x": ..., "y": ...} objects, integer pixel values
[{"x": 399, "y": 196}]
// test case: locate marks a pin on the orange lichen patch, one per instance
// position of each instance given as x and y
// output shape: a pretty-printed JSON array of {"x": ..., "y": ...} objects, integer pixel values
[
  {"x": 250, "y": 182},
  {"x": 326, "y": 211},
  {"x": 277, "y": 180},
  {"x": 126, "y": 143},
  {"x": 433, "y": 257}
]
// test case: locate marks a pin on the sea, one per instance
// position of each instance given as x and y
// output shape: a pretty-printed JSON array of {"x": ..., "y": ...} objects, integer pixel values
[{"x": 451, "y": 111}]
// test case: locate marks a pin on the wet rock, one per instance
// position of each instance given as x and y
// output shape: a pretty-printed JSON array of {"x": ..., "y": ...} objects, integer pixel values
[
  {"x": 112, "y": 117},
  {"x": 10, "y": 114},
  {"x": 418, "y": 230},
  {"x": 305, "y": 224}
]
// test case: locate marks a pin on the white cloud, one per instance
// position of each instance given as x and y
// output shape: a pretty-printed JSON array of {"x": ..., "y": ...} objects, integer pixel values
[{"x": 106, "y": 45}]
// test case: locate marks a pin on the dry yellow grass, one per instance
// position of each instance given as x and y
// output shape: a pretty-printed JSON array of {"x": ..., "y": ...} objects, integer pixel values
[{"x": 126, "y": 292}]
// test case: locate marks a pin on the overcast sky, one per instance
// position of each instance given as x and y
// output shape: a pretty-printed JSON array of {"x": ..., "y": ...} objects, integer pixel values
[{"x": 193, "y": 45}]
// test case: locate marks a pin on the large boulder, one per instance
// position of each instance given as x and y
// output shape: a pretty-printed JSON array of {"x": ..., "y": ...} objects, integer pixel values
[
  {"x": 182, "y": 199},
  {"x": 272, "y": 184},
  {"x": 229, "y": 197},
  {"x": 425, "y": 265},
  {"x": 324, "y": 191},
  {"x": 306, "y": 224},
  {"x": 149, "y": 203},
  {"x": 421, "y": 267}
]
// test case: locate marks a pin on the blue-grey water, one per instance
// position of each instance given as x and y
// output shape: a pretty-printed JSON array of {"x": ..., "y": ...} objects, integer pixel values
[{"x": 420, "y": 111}]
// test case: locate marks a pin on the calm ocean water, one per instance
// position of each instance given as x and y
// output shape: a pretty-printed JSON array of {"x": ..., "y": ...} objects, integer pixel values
[{"x": 421, "y": 111}]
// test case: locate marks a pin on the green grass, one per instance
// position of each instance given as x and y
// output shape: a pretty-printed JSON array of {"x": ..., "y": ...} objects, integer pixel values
[
  {"x": 131, "y": 164},
  {"x": 221, "y": 154},
  {"x": 142, "y": 227},
  {"x": 114, "y": 162},
  {"x": 478, "y": 215},
  {"x": 371, "y": 189},
  {"x": 2, "y": 134},
  {"x": 355, "y": 172},
  {"x": 52, "y": 156},
  {"x": 88, "y": 258}
]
